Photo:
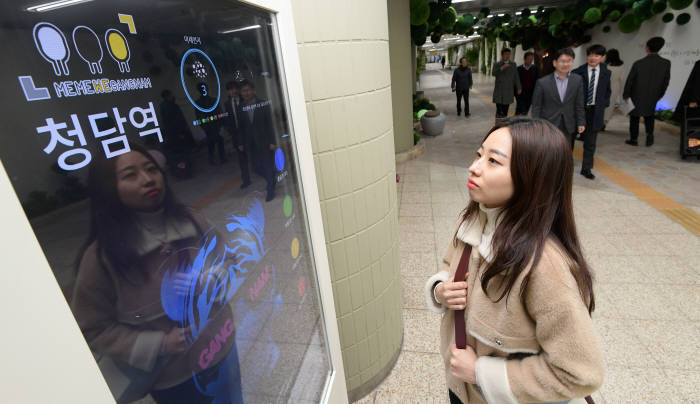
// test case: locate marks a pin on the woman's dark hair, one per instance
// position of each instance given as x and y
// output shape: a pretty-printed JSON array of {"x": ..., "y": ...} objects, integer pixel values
[
  {"x": 612, "y": 58},
  {"x": 112, "y": 224},
  {"x": 565, "y": 51},
  {"x": 541, "y": 208}
]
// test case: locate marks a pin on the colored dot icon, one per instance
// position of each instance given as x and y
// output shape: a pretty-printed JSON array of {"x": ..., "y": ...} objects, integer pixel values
[
  {"x": 209, "y": 119},
  {"x": 295, "y": 248},
  {"x": 279, "y": 159},
  {"x": 287, "y": 206}
]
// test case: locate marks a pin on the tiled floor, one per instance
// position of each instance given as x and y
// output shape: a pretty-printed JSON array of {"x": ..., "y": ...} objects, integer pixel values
[{"x": 647, "y": 266}]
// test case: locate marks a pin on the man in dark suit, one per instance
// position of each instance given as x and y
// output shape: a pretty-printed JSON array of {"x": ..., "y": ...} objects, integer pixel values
[
  {"x": 233, "y": 126},
  {"x": 529, "y": 73},
  {"x": 646, "y": 84},
  {"x": 461, "y": 84},
  {"x": 596, "y": 78},
  {"x": 259, "y": 138},
  {"x": 558, "y": 97}
]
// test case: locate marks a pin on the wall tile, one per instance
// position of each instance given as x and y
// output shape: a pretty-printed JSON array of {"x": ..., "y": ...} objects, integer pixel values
[
  {"x": 329, "y": 177},
  {"x": 333, "y": 220},
  {"x": 343, "y": 296},
  {"x": 338, "y": 261},
  {"x": 348, "y": 210},
  {"x": 344, "y": 171},
  {"x": 356, "y": 291},
  {"x": 323, "y": 126}
]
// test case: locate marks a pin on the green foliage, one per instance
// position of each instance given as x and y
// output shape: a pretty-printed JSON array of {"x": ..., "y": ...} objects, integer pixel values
[
  {"x": 683, "y": 19},
  {"x": 448, "y": 18},
  {"x": 472, "y": 55},
  {"x": 525, "y": 12},
  {"x": 592, "y": 15},
  {"x": 658, "y": 7},
  {"x": 614, "y": 15},
  {"x": 679, "y": 4},
  {"x": 435, "y": 37},
  {"x": 606, "y": 29},
  {"x": 556, "y": 17},
  {"x": 665, "y": 115},
  {"x": 422, "y": 104},
  {"x": 642, "y": 9},
  {"x": 419, "y": 33},
  {"x": 421, "y": 59},
  {"x": 484, "y": 12},
  {"x": 416, "y": 138},
  {"x": 464, "y": 24},
  {"x": 668, "y": 17},
  {"x": 420, "y": 11},
  {"x": 533, "y": 19},
  {"x": 629, "y": 23},
  {"x": 435, "y": 11}
]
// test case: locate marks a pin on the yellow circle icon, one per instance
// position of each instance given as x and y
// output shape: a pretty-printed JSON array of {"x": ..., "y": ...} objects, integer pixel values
[
  {"x": 295, "y": 247},
  {"x": 117, "y": 46}
]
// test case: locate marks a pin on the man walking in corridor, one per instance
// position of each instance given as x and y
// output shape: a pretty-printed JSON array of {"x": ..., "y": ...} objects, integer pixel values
[
  {"x": 461, "y": 84},
  {"x": 558, "y": 97},
  {"x": 596, "y": 78},
  {"x": 646, "y": 84},
  {"x": 528, "y": 74},
  {"x": 507, "y": 83}
]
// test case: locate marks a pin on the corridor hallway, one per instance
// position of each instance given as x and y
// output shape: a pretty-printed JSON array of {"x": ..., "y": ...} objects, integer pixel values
[{"x": 647, "y": 265}]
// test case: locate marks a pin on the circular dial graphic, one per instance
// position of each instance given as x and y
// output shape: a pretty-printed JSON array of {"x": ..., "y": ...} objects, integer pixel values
[{"x": 200, "y": 80}]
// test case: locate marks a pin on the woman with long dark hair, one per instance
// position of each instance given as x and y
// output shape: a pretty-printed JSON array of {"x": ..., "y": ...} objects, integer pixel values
[
  {"x": 515, "y": 290},
  {"x": 142, "y": 265},
  {"x": 617, "y": 82}
]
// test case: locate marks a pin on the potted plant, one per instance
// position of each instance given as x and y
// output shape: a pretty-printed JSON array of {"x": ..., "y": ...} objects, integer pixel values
[{"x": 433, "y": 122}]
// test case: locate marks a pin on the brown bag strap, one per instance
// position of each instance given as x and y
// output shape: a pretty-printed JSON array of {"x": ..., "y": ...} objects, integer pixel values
[{"x": 461, "y": 275}]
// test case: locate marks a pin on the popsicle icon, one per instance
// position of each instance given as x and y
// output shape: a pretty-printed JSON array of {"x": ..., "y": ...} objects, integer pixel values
[
  {"x": 118, "y": 48},
  {"x": 52, "y": 46},
  {"x": 88, "y": 46}
]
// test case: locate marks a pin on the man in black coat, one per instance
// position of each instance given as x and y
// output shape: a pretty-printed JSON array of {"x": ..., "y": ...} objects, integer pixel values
[
  {"x": 558, "y": 97},
  {"x": 529, "y": 73},
  {"x": 232, "y": 123},
  {"x": 258, "y": 136},
  {"x": 461, "y": 84},
  {"x": 596, "y": 81},
  {"x": 646, "y": 84}
]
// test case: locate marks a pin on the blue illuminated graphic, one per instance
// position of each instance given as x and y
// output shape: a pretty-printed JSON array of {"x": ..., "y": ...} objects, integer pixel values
[
  {"x": 184, "y": 86},
  {"x": 199, "y": 295},
  {"x": 279, "y": 159}
]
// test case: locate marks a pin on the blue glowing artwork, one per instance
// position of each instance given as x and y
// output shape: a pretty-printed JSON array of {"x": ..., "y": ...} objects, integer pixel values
[{"x": 194, "y": 293}]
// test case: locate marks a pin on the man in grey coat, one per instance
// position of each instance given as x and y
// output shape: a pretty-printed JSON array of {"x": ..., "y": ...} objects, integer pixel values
[
  {"x": 461, "y": 84},
  {"x": 558, "y": 97},
  {"x": 646, "y": 84},
  {"x": 507, "y": 83}
]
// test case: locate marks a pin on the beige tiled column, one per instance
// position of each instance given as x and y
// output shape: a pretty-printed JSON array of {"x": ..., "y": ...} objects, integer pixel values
[{"x": 344, "y": 53}]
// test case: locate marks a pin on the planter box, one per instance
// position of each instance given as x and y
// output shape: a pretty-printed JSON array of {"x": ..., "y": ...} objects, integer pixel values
[{"x": 433, "y": 126}]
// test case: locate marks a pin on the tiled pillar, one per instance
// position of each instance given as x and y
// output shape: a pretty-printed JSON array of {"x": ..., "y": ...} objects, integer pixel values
[
  {"x": 344, "y": 53},
  {"x": 400, "y": 46}
]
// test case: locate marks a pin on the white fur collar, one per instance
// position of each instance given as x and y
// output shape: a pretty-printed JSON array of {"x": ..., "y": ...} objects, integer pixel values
[{"x": 479, "y": 231}]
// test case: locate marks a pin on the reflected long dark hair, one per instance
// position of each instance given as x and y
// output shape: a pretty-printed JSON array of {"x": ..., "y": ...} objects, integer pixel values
[
  {"x": 112, "y": 224},
  {"x": 541, "y": 208}
]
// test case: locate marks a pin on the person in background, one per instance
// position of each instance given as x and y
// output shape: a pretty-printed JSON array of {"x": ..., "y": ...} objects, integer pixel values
[
  {"x": 559, "y": 96},
  {"x": 515, "y": 274},
  {"x": 617, "y": 83},
  {"x": 442, "y": 61},
  {"x": 461, "y": 84},
  {"x": 596, "y": 79},
  {"x": 259, "y": 143},
  {"x": 646, "y": 83},
  {"x": 507, "y": 83},
  {"x": 233, "y": 126},
  {"x": 528, "y": 74}
]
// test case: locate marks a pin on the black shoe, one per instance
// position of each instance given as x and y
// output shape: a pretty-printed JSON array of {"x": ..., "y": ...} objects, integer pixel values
[
  {"x": 588, "y": 174},
  {"x": 632, "y": 142},
  {"x": 459, "y": 113},
  {"x": 245, "y": 185},
  {"x": 602, "y": 129},
  {"x": 650, "y": 140},
  {"x": 270, "y": 196},
  {"x": 467, "y": 115}
]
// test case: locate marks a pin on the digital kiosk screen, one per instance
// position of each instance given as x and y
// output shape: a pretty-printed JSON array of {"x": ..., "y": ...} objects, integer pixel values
[{"x": 150, "y": 145}]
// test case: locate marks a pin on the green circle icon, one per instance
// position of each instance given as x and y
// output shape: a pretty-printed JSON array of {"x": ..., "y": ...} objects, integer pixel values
[{"x": 287, "y": 208}]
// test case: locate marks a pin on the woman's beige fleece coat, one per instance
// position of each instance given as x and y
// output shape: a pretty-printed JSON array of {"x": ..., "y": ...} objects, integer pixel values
[{"x": 545, "y": 350}]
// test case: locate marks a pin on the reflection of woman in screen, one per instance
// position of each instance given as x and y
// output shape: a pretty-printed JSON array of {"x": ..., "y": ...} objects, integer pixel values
[{"x": 135, "y": 280}]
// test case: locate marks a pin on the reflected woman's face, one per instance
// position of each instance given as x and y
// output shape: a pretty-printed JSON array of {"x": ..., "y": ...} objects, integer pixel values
[{"x": 140, "y": 183}]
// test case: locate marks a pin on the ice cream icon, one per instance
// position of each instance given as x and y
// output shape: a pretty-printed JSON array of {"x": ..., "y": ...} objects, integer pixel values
[
  {"x": 118, "y": 48},
  {"x": 52, "y": 46},
  {"x": 88, "y": 46}
]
